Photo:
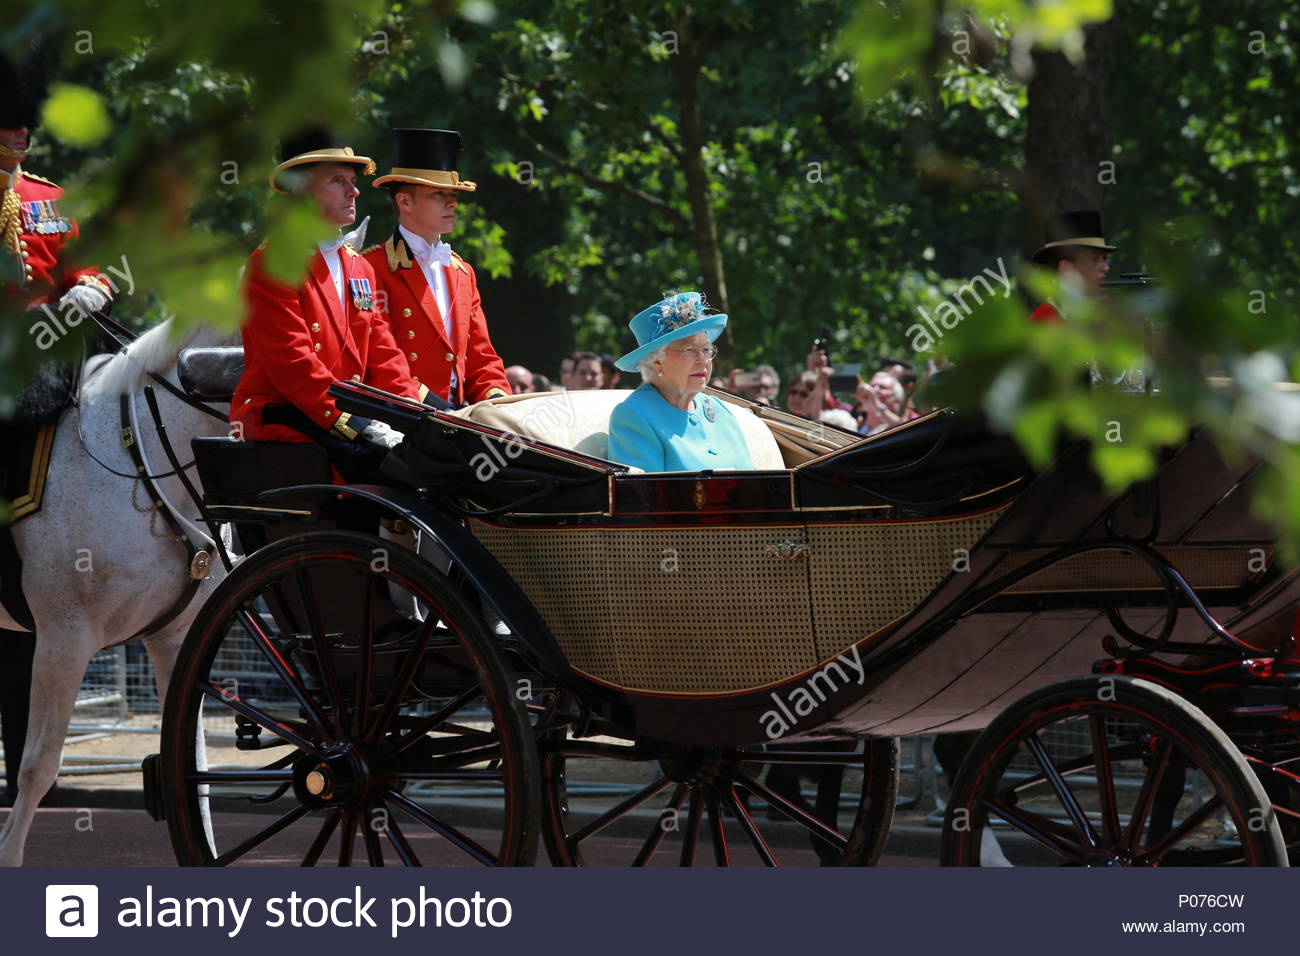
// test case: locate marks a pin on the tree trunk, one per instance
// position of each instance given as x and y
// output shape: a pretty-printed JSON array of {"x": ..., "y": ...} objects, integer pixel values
[
  {"x": 1068, "y": 139},
  {"x": 685, "y": 65}
]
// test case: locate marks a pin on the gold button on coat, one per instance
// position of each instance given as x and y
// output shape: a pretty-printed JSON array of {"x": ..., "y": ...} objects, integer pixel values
[
  {"x": 316, "y": 346},
  {"x": 413, "y": 356},
  {"x": 356, "y": 378},
  {"x": 450, "y": 357},
  {"x": 315, "y": 326},
  {"x": 410, "y": 333},
  {"x": 407, "y": 314}
]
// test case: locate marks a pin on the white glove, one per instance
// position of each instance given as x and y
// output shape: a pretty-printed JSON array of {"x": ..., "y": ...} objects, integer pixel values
[
  {"x": 382, "y": 434},
  {"x": 87, "y": 297}
]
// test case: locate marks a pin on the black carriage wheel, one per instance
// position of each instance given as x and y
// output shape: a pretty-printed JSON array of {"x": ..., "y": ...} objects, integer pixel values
[
  {"x": 1090, "y": 772},
  {"x": 363, "y": 732},
  {"x": 716, "y": 795}
]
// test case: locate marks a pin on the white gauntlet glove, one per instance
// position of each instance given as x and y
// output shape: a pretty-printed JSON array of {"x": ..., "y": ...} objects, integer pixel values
[
  {"x": 381, "y": 434},
  {"x": 87, "y": 297}
]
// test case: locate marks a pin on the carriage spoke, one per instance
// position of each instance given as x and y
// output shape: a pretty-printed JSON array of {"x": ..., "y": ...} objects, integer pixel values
[
  {"x": 657, "y": 835},
  {"x": 459, "y": 839},
  {"x": 628, "y": 805},
  {"x": 241, "y": 776},
  {"x": 365, "y": 663},
  {"x": 449, "y": 775},
  {"x": 719, "y": 832},
  {"x": 322, "y": 838},
  {"x": 1175, "y": 836},
  {"x": 794, "y": 812},
  {"x": 1047, "y": 832},
  {"x": 397, "y": 693},
  {"x": 427, "y": 724},
  {"x": 751, "y": 830},
  {"x": 692, "y": 835},
  {"x": 348, "y": 839},
  {"x": 398, "y": 839},
  {"x": 283, "y": 670},
  {"x": 1147, "y": 795},
  {"x": 262, "y": 835},
  {"x": 324, "y": 656},
  {"x": 1105, "y": 779},
  {"x": 1063, "y": 792},
  {"x": 589, "y": 750},
  {"x": 263, "y": 720},
  {"x": 374, "y": 849}
]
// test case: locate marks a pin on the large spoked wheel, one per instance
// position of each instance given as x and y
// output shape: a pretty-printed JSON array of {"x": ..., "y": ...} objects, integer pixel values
[
  {"x": 656, "y": 803},
  {"x": 337, "y": 702},
  {"x": 1092, "y": 772}
]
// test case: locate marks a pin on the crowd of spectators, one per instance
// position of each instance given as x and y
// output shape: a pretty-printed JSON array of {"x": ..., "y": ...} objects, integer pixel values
[{"x": 866, "y": 405}]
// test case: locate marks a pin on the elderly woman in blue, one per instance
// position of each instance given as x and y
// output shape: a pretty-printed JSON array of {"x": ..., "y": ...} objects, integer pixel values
[{"x": 666, "y": 424}]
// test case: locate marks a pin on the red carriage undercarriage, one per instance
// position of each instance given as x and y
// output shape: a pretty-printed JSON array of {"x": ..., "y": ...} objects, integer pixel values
[{"x": 705, "y": 628}]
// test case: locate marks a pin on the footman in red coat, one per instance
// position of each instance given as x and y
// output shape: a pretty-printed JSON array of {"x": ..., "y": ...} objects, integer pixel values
[
  {"x": 1074, "y": 248},
  {"x": 299, "y": 340},
  {"x": 431, "y": 295}
]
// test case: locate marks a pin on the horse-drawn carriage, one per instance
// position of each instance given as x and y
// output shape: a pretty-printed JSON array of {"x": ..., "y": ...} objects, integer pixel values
[{"x": 564, "y": 621}]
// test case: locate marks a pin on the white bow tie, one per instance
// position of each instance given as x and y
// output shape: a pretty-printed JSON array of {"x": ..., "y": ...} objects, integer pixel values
[{"x": 440, "y": 253}]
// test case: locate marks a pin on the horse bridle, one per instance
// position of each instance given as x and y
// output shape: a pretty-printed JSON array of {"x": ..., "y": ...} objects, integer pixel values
[{"x": 197, "y": 559}]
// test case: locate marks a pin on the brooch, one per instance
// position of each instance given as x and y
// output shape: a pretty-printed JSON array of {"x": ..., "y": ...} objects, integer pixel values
[{"x": 710, "y": 412}]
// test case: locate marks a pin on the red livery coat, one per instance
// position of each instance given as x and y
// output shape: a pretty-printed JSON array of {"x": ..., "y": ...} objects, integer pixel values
[
  {"x": 417, "y": 325},
  {"x": 300, "y": 341},
  {"x": 1045, "y": 313},
  {"x": 39, "y": 253}
]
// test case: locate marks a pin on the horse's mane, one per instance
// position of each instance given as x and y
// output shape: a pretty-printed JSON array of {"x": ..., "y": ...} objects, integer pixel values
[{"x": 154, "y": 351}]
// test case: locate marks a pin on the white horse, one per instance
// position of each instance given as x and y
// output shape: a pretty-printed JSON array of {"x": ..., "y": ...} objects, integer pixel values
[{"x": 99, "y": 562}]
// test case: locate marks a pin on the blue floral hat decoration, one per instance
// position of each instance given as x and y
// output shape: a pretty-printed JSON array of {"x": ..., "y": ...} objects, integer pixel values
[{"x": 676, "y": 317}]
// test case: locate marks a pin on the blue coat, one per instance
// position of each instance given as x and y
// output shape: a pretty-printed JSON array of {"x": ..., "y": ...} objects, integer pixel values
[{"x": 647, "y": 432}]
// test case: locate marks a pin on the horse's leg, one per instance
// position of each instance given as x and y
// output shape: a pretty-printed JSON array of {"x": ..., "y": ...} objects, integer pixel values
[
  {"x": 62, "y": 653},
  {"x": 164, "y": 647}
]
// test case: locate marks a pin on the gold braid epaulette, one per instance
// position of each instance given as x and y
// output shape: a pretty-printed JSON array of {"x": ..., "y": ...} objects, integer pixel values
[
  {"x": 41, "y": 179},
  {"x": 366, "y": 252},
  {"x": 11, "y": 225}
]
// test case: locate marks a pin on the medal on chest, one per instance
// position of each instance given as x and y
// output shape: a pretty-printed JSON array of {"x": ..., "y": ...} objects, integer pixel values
[
  {"x": 710, "y": 412},
  {"x": 362, "y": 296},
  {"x": 41, "y": 216}
]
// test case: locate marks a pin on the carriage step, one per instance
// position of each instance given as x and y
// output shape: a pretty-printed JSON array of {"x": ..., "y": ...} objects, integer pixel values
[{"x": 151, "y": 770}]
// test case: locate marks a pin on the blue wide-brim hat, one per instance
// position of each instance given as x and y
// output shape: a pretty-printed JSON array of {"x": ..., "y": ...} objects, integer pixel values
[{"x": 668, "y": 320}]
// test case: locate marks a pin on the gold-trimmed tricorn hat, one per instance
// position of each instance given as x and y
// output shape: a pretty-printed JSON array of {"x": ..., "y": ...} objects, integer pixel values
[
  {"x": 426, "y": 157},
  {"x": 316, "y": 144},
  {"x": 1079, "y": 228}
]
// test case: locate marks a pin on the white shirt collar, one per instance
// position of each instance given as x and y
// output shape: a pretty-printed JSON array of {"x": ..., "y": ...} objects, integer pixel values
[
  {"x": 10, "y": 179},
  {"x": 424, "y": 250}
]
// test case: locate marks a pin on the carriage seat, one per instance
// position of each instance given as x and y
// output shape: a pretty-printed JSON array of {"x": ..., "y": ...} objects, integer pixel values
[
  {"x": 210, "y": 374},
  {"x": 579, "y": 420}
]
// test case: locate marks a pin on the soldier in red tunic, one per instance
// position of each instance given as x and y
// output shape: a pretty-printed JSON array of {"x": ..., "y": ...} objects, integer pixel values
[
  {"x": 1074, "y": 247},
  {"x": 299, "y": 340},
  {"x": 34, "y": 232},
  {"x": 33, "y": 228},
  {"x": 432, "y": 301}
]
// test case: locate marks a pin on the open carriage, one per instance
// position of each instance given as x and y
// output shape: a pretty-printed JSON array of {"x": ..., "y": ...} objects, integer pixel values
[{"x": 670, "y": 645}]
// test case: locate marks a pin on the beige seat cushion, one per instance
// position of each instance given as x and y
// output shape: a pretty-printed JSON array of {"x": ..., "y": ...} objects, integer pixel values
[{"x": 580, "y": 421}]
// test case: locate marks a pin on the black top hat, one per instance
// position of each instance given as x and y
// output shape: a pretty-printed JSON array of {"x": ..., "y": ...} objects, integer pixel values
[
  {"x": 316, "y": 144},
  {"x": 1079, "y": 228},
  {"x": 24, "y": 88},
  {"x": 426, "y": 157}
]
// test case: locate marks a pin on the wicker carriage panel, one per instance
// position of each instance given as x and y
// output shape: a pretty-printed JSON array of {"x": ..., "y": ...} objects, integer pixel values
[
  {"x": 864, "y": 576},
  {"x": 563, "y": 575},
  {"x": 1123, "y": 571},
  {"x": 667, "y": 610}
]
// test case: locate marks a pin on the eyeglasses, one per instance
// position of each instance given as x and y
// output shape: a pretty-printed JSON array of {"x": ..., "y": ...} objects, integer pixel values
[
  {"x": 692, "y": 354},
  {"x": 800, "y": 393}
]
